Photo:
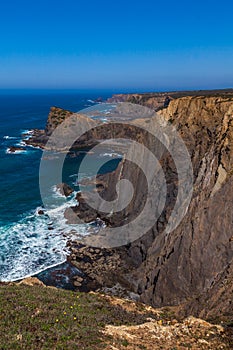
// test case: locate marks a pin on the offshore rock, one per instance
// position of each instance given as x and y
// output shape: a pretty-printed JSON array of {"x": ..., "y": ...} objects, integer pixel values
[{"x": 64, "y": 189}]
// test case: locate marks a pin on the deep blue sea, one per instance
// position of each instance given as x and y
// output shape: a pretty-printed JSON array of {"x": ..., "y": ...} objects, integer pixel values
[{"x": 26, "y": 244}]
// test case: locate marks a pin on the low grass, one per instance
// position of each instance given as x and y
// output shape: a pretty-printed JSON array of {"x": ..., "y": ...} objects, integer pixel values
[
  {"x": 48, "y": 318},
  {"x": 39, "y": 317}
]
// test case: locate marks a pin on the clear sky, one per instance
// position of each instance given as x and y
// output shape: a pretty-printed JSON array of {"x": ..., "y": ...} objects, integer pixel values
[{"x": 134, "y": 45}]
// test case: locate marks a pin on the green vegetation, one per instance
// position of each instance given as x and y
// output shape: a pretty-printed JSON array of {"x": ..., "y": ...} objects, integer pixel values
[
  {"x": 48, "y": 318},
  {"x": 38, "y": 317}
]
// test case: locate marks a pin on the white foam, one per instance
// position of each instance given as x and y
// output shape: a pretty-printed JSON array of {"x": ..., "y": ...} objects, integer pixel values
[
  {"x": 27, "y": 132},
  {"x": 21, "y": 144},
  {"x": 8, "y": 151},
  {"x": 37, "y": 271},
  {"x": 104, "y": 120},
  {"x": 111, "y": 155},
  {"x": 73, "y": 175},
  {"x": 29, "y": 247},
  {"x": 9, "y": 137},
  {"x": 35, "y": 147},
  {"x": 57, "y": 193}
]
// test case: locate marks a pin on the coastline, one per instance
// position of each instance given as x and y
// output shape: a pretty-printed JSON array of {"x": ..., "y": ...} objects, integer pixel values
[{"x": 131, "y": 268}]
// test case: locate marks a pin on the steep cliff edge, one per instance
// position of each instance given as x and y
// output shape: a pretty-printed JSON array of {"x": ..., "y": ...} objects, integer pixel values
[
  {"x": 196, "y": 258},
  {"x": 160, "y": 100},
  {"x": 192, "y": 266}
]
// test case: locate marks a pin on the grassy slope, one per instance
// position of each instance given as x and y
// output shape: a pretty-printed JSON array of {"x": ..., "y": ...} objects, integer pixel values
[
  {"x": 43, "y": 318},
  {"x": 35, "y": 317}
]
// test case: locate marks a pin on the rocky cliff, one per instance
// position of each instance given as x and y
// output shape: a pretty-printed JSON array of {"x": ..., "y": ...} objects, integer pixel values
[
  {"x": 191, "y": 266},
  {"x": 196, "y": 259},
  {"x": 199, "y": 252},
  {"x": 77, "y": 123},
  {"x": 160, "y": 100}
]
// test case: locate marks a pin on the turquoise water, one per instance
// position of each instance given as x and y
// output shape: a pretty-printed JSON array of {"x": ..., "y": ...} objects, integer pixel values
[{"x": 26, "y": 244}]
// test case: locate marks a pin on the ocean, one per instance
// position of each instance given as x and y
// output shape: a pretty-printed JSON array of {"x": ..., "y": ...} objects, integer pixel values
[{"x": 27, "y": 246}]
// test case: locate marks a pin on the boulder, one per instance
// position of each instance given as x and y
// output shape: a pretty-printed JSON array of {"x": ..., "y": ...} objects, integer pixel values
[{"x": 65, "y": 189}]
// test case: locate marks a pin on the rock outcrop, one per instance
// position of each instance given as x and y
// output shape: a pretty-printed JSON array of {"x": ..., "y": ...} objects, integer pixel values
[
  {"x": 55, "y": 118},
  {"x": 40, "y": 138},
  {"x": 15, "y": 149}
]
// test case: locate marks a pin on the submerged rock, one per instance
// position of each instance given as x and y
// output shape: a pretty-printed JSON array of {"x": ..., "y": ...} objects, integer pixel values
[{"x": 15, "y": 149}]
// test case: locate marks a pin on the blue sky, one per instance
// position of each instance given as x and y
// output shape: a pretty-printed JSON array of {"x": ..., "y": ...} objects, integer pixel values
[{"x": 124, "y": 45}]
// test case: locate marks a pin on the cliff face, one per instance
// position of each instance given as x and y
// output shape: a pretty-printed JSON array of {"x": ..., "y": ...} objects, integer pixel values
[
  {"x": 155, "y": 101},
  {"x": 160, "y": 100},
  {"x": 194, "y": 263}
]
